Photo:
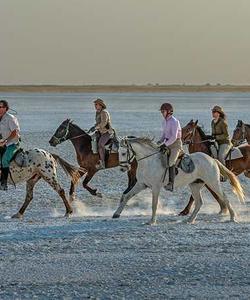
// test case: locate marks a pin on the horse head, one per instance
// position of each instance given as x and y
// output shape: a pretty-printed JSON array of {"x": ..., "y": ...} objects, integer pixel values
[
  {"x": 239, "y": 133},
  {"x": 61, "y": 134},
  {"x": 126, "y": 154},
  {"x": 188, "y": 131}
]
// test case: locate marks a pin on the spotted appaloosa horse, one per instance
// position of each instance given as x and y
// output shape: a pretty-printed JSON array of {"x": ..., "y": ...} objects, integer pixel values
[{"x": 41, "y": 164}]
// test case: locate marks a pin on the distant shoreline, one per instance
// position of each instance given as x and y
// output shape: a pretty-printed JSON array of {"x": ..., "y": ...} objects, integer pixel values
[{"x": 122, "y": 88}]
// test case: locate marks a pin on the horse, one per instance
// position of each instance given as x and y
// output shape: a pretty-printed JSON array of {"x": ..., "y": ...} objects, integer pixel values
[
  {"x": 41, "y": 164},
  {"x": 81, "y": 141},
  {"x": 241, "y": 133},
  {"x": 152, "y": 174},
  {"x": 198, "y": 141}
]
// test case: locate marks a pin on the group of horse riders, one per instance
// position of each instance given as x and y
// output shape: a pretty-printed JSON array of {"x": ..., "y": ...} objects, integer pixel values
[{"x": 170, "y": 139}]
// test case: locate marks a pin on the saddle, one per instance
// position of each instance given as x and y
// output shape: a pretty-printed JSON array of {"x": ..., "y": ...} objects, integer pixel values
[
  {"x": 112, "y": 146},
  {"x": 233, "y": 153},
  {"x": 21, "y": 158},
  {"x": 184, "y": 162}
]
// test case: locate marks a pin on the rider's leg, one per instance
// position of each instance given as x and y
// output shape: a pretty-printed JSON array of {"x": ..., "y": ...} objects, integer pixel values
[
  {"x": 175, "y": 149},
  {"x": 223, "y": 150},
  {"x": 6, "y": 158},
  {"x": 101, "y": 149}
]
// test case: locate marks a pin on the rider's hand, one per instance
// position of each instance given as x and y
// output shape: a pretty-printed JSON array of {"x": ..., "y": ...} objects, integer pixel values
[
  {"x": 159, "y": 143},
  {"x": 3, "y": 143},
  {"x": 92, "y": 129}
]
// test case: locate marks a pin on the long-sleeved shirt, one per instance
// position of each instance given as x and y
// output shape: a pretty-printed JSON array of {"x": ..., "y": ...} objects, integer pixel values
[
  {"x": 171, "y": 130},
  {"x": 103, "y": 122}
]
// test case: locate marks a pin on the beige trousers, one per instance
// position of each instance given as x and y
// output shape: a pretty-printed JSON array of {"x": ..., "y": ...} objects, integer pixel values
[
  {"x": 175, "y": 150},
  {"x": 223, "y": 150}
]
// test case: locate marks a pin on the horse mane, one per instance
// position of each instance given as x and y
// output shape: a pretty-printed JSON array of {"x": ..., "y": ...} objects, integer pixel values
[
  {"x": 71, "y": 122},
  {"x": 202, "y": 133},
  {"x": 144, "y": 140}
]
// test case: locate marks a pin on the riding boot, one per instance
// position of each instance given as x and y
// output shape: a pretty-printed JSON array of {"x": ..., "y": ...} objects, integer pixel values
[
  {"x": 4, "y": 179},
  {"x": 170, "y": 185}
]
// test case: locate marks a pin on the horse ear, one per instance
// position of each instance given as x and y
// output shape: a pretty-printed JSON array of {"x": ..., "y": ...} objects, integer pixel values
[
  {"x": 196, "y": 122},
  {"x": 191, "y": 121}
]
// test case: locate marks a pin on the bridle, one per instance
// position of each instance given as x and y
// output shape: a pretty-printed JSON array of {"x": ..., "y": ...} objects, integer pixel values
[
  {"x": 191, "y": 140},
  {"x": 244, "y": 133},
  {"x": 64, "y": 137},
  {"x": 190, "y": 133},
  {"x": 130, "y": 155}
]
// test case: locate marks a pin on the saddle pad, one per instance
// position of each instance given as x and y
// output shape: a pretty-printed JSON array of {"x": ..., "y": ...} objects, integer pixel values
[
  {"x": 21, "y": 158},
  {"x": 186, "y": 164},
  {"x": 234, "y": 153}
]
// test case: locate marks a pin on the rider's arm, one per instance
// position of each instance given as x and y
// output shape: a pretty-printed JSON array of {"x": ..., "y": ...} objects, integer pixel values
[
  {"x": 104, "y": 120},
  {"x": 174, "y": 133},
  {"x": 225, "y": 134},
  {"x": 13, "y": 134}
]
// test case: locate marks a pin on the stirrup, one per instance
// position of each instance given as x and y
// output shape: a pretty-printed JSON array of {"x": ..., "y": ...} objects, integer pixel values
[{"x": 169, "y": 187}]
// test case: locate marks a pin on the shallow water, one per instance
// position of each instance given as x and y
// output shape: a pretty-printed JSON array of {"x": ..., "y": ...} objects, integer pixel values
[{"x": 92, "y": 256}]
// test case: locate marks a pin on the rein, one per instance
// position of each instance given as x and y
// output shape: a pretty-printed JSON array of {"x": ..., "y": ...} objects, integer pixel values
[
  {"x": 191, "y": 141},
  {"x": 64, "y": 137},
  {"x": 130, "y": 158}
]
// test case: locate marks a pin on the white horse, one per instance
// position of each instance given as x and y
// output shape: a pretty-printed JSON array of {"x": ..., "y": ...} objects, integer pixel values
[
  {"x": 151, "y": 174},
  {"x": 41, "y": 164}
]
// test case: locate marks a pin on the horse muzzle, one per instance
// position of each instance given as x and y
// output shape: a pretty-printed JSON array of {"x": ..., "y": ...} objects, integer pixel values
[{"x": 53, "y": 142}]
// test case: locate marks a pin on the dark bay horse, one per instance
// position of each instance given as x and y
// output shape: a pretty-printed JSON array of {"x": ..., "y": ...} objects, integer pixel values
[
  {"x": 198, "y": 141},
  {"x": 81, "y": 141},
  {"x": 241, "y": 133}
]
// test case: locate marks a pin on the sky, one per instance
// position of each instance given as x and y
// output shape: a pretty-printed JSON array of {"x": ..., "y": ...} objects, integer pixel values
[{"x": 124, "y": 41}]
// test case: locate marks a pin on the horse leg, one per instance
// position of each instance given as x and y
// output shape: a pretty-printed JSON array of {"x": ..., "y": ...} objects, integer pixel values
[
  {"x": 196, "y": 193},
  {"x": 155, "y": 197},
  {"x": 56, "y": 186},
  {"x": 72, "y": 193},
  {"x": 138, "y": 187},
  {"x": 88, "y": 188},
  {"x": 186, "y": 210},
  {"x": 29, "y": 196},
  {"x": 131, "y": 176},
  {"x": 223, "y": 205},
  {"x": 217, "y": 189}
]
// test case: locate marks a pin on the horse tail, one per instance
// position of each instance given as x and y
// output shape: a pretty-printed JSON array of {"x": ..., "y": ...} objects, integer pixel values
[
  {"x": 237, "y": 188},
  {"x": 74, "y": 172}
]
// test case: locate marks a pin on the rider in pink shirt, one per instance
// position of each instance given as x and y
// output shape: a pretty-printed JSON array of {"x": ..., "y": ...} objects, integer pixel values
[{"x": 171, "y": 137}]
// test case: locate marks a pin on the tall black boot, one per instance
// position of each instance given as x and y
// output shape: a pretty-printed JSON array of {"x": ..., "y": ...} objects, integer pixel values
[
  {"x": 170, "y": 185},
  {"x": 4, "y": 179}
]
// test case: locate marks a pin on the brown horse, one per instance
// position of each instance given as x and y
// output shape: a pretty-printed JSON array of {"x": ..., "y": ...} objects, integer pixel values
[
  {"x": 241, "y": 133},
  {"x": 198, "y": 141},
  {"x": 81, "y": 141}
]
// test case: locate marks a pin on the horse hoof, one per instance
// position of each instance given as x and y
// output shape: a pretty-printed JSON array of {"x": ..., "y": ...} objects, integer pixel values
[
  {"x": 223, "y": 212},
  {"x": 151, "y": 223},
  {"x": 184, "y": 212},
  {"x": 17, "y": 216},
  {"x": 68, "y": 214},
  {"x": 234, "y": 221},
  {"x": 99, "y": 195},
  {"x": 116, "y": 216}
]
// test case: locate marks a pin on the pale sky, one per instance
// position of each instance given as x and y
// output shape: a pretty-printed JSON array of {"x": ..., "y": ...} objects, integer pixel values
[{"x": 124, "y": 41}]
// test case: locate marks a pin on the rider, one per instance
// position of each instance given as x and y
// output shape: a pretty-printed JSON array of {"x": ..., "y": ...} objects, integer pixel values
[
  {"x": 9, "y": 142},
  {"x": 220, "y": 132},
  {"x": 171, "y": 138},
  {"x": 104, "y": 128}
]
